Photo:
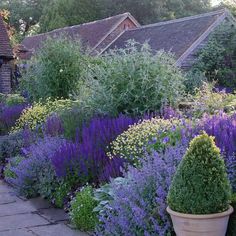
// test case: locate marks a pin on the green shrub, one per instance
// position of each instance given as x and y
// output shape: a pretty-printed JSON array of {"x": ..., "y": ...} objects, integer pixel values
[
  {"x": 82, "y": 214},
  {"x": 232, "y": 220},
  {"x": 37, "y": 114},
  {"x": 60, "y": 194},
  {"x": 134, "y": 81},
  {"x": 200, "y": 185},
  {"x": 55, "y": 70},
  {"x": 14, "y": 99},
  {"x": 106, "y": 194}
]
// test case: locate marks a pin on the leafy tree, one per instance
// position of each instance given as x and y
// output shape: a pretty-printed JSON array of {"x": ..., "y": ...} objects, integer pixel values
[
  {"x": 54, "y": 14},
  {"x": 150, "y": 11},
  {"x": 24, "y": 14},
  {"x": 62, "y": 13},
  {"x": 12, "y": 34},
  {"x": 230, "y": 4}
]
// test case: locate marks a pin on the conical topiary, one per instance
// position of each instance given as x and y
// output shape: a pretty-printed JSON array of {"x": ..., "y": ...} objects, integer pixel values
[{"x": 200, "y": 185}]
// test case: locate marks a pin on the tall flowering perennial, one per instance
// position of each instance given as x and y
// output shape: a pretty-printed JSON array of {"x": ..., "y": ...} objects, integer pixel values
[
  {"x": 139, "y": 204},
  {"x": 53, "y": 126},
  {"x": 156, "y": 132},
  {"x": 223, "y": 128},
  {"x": 87, "y": 159}
]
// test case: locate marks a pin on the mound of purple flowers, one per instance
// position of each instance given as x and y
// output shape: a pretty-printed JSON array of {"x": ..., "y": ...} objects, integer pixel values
[
  {"x": 37, "y": 163},
  {"x": 139, "y": 206}
]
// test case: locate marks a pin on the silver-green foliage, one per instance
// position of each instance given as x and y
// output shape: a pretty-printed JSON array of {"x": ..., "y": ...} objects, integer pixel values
[{"x": 135, "y": 81}]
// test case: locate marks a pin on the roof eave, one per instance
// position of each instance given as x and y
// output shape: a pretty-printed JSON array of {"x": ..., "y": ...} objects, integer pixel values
[{"x": 126, "y": 15}]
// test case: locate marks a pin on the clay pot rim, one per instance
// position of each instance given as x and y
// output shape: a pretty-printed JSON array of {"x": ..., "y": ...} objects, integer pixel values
[{"x": 206, "y": 216}]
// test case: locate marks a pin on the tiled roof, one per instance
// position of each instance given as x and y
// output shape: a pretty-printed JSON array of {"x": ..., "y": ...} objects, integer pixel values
[
  {"x": 89, "y": 33},
  {"x": 175, "y": 36},
  {"x": 5, "y": 47}
]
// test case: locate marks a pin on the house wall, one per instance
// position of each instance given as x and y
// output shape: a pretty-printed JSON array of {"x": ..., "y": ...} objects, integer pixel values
[
  {"x": 5, "y": 77},
  {"x": 126, "y": 24}
]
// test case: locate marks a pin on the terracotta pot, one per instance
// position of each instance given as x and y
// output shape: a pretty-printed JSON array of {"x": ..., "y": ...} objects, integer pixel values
[{"x": 200, "y": 225}]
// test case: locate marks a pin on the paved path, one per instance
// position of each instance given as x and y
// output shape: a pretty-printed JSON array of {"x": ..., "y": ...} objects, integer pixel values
[{"x": 19, "y": 217}]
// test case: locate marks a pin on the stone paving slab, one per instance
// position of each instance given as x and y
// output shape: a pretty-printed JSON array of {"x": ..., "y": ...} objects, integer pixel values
[
  {"x": 36, "y": 217},
  {"x": 54, "y": 215},
  {"x": 6, "y": 198},
  {"x": 21, "y": 221},
  {"x": 16, "y": 208},
  {"x": 19, "y": 232},
  {"x": 5, "y": 188},
  {"x": 56, "y": 230},
  {"x": 39, "y": 203}
]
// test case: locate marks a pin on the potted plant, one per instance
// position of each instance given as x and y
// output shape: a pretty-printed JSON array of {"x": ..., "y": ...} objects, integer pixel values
[{"x": 200, "y": 193}]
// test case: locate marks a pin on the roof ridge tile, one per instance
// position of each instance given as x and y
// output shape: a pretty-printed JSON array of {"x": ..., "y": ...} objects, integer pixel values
[
  {"x": 79, "y": 25},
  {"x": 212, "y": 13}
]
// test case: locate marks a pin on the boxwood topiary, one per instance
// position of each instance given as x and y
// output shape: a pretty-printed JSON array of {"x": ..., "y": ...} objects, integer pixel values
[{"x": 200, "y": 185}]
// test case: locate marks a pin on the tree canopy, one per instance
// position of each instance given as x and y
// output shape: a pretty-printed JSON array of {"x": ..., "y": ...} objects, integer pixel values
[{"x": 26, "y": 14}]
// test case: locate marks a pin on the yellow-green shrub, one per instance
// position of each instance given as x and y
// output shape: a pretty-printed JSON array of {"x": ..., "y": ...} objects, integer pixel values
[
  {"x": 132, "y": 143},
  {"x": 38, "y": 112}
]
